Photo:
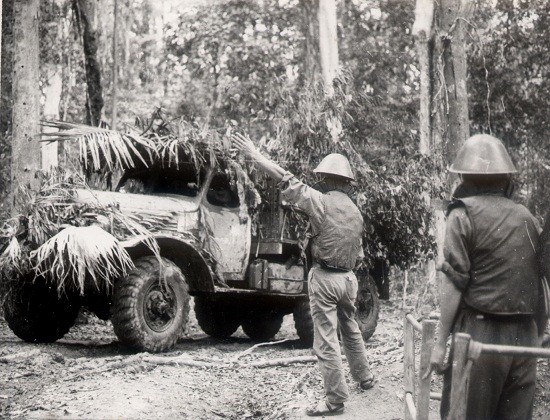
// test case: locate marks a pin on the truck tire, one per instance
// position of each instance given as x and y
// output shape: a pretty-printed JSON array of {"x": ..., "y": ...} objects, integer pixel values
[
  {"x": 36, "y": 314},
  {"x": 367, "y": 304},
  {"x": 262, "y": 325},
  {"x": 150, "y": 313},
  {"x": 218, "y": 319},
  {"x": 303, "y": 323}
]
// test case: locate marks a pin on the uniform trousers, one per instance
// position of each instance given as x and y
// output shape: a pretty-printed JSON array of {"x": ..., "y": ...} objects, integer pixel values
[
  {"x": 332, "y": 297},
  {"x": 500, "y": 387}
]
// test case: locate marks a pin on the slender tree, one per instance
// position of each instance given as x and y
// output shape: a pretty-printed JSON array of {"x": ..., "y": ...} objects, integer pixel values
[
  {"x": 25, "y": 159},
  {"x": 7, "y": 66},
  {"x": 423, "y": 33},
  {"x": 85, "y": 13},
  {"x": 454, "y": 16},
  {"x": 328, "y": 43},
  {"x": 115, "y": 66},
  {"x": 310, "y": 30},
  {"x": 0, "y": 48}
]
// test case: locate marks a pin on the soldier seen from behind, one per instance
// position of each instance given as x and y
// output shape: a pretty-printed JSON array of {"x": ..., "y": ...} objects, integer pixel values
[
  {"x": 491, "y": 284},
  {"x": 336, "y": 228}
]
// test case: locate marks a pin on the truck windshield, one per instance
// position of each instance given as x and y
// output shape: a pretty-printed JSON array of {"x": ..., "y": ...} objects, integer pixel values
[
  {"x": 179, "y": 181},
  {"x": 221, "y": 192}
]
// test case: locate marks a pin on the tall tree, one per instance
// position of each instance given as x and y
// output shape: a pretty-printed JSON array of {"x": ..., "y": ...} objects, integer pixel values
[
  {"x": 454, "y": 15},
  {"x": 85, "y": 12},
  {"x": 310, "y": 31},
  {"x": 115, "y": 67},
  {"x": 422, "y": 31},
  {"x": 25, "y": 159},
  {"x": 7, "y": 66},
  {"x": 328, "y": 43},
  {"x": 0, "y": 48}
]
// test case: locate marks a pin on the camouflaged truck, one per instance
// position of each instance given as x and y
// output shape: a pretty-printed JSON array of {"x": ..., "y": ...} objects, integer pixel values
[{"x": 209, "y": 251}]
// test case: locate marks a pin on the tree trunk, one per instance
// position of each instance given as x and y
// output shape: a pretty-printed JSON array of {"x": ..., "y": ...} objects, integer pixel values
[
  {"x": 25, "y": 159},
  {"x": 456, "y": 123},
  {"x": 85, "y": 15},
  {"x": 115, "y": 65},
  {"x": 422, "y": 32},
  {"x": 448, "y": 120},
  {"x": 52, "y": 93},
  {"x": 310, "y": 30},
  {"x": 328, "y": 43},
  {"x": 0, "y": 44},
  {"x": 7, "y": 68}
]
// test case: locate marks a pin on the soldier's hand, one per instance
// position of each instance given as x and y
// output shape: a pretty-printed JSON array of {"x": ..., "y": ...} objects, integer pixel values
[
  {"x": 243, "y": 144},
  {"x": 437, "y": 360}
]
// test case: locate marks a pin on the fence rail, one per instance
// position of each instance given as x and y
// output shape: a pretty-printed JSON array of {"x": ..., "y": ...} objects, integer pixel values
[
  {"x": 466, "y": 351},
  {"x": 418, "y": 389}
]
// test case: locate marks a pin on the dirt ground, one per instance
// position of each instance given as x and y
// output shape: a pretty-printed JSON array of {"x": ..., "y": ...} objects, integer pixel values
[{"x": 88, "y": 374}]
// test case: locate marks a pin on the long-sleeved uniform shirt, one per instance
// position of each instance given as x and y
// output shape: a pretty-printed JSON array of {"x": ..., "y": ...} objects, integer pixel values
[{"x": 336, "y": 223}]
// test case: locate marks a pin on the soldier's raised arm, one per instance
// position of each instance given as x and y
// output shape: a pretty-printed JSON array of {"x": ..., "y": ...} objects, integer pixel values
[
  {"x": 294, "y": 191},
  {"x": 245, "y": 145}
]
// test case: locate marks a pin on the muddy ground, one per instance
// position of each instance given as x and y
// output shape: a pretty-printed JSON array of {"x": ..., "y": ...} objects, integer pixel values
[{"x": 88, "y": 374}]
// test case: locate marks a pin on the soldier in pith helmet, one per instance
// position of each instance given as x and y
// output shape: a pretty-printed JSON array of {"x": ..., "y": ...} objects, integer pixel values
[
  {"x": 490, "y": 286},
  {"x": 336, "y": 229}
]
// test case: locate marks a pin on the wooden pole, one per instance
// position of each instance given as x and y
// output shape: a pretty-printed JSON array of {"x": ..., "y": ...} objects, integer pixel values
[
  {"x": 115, "y": 68},
  {"x": 459, "y": 396},
  {"x": 25, "y": 159},
  {"x": 423, "y": 401},
  {"x": 405, "y": 285},
  {"x": 408, "y": 364}
]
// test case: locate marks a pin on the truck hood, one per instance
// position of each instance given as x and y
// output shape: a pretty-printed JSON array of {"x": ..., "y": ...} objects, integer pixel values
[{"x": 136, "y": 203}]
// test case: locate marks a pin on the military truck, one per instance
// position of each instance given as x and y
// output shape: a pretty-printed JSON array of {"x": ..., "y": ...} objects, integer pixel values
[{"x": 238, "y": 275}]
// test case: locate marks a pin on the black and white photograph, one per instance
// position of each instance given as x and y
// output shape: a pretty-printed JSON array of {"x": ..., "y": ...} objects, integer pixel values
[{"x": 275, "y": 209}]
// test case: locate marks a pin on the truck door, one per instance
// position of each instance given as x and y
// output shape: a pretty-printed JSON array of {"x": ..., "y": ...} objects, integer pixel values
[{"x": 228, "y": 231}]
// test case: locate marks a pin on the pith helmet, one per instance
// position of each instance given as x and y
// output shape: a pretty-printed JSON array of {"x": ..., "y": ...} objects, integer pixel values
[
  {"x": 335, "y": 164},
  {"x": 482, "y": 154}
]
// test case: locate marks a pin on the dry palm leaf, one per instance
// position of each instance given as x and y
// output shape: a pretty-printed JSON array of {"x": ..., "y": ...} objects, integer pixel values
[
  {"x": 76, "y": 253},
  {"x": 12, "y": 254},
  {"x": 103, "y": 146}
]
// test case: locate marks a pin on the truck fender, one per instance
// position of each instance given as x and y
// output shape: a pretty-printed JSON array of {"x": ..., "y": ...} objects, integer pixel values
[{"x": 197, "y": 270}]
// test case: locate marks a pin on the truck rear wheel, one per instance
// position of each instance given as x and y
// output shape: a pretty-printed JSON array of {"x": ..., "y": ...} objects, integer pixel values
[
  {"x": 304, "y": 323},
  {"x": 218, "y": 319},
  {"x": 367, "y": 304},
  {"x": 36, "y": 314},
  {"x": 151, "y": 312},
  {"x": 262, "y": 325}
]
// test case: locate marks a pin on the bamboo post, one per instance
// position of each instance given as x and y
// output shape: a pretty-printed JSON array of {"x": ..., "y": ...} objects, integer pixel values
[
  {"x": 460, "y": 357},
  {"x": 408, "y": 364},
  {"x": 423, "y": 401},
  {"x": 405, "y": 285}
]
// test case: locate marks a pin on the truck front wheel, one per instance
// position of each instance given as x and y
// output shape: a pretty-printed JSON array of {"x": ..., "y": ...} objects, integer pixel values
[
  {"x": 36, "y": 313},
  {"x": 262, "y": 325},
  {"x": 151, "y": 305}
]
